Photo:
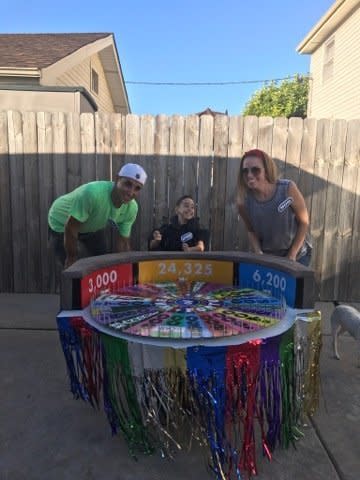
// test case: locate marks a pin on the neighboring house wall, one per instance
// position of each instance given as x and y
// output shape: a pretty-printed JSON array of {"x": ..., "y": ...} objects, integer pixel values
[
  {"x": 19, "y": 81},
  {"x": 338, "y": 95},
  {"x": 32, "y": 101},
  {"x": 81, "y": 75}
]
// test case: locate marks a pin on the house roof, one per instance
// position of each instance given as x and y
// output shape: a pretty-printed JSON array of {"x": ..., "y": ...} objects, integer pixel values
[
  {"x": 46, "y": 55},
  {"x": 208, "y": 111},
  {"x": 326, "y": 26},
  {"x": 34, "y": 50}
]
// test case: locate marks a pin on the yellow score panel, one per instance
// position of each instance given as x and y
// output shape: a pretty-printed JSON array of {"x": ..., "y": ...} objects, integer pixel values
[{"x": 212, "y": 271}]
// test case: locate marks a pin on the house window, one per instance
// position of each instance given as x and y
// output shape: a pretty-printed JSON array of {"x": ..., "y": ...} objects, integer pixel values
[
  {"x": 94, "y": 81},
  {"x": 329, "y": 53}
]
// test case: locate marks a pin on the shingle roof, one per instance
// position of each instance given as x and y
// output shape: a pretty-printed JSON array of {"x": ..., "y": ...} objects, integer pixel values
[
  {"x": 39, "y": 50},
  {"x": 208, "y": 111}
]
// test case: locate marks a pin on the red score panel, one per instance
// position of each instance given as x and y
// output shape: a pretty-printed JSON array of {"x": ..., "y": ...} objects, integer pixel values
[{"x": 105, "y": 279}]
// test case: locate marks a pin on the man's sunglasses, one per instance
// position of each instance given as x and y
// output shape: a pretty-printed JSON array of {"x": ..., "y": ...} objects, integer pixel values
[{"x": 254, "y": 171}]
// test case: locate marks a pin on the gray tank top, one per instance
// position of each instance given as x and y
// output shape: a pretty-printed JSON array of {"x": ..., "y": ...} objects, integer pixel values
[{"x": 274, "y": 221}]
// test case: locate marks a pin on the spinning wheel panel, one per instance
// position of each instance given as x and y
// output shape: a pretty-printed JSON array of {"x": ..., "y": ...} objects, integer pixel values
[{"x": 186, "y": 310}]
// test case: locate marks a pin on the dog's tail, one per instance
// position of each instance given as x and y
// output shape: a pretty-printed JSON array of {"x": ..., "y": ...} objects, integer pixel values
[{"x": 336, "y": 303}]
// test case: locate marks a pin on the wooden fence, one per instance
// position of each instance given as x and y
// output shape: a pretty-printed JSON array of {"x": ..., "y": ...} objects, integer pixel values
[{"x": 44, "y": 155}]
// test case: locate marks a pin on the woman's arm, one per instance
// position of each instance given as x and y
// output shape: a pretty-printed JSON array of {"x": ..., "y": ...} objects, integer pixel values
[
  {"x": 302, "y": 217},
  {"x": 253, "y": 239}
]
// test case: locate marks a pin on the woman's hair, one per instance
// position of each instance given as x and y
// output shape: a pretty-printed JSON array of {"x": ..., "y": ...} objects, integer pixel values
[
  {"x": 179, "y": 200},
  {"x": 269, "y": 166}
]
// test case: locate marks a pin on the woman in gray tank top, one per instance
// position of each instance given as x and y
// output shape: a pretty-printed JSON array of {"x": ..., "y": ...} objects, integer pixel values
[{"x": 273, "y": 210}]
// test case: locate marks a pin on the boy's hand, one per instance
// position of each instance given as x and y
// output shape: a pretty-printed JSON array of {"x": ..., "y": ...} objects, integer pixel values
[
  {"x": 157, "y": 235},
  {"x": 185, "y": 247}
]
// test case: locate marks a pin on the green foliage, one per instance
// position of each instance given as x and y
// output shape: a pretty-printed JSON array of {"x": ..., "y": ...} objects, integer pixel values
[{"x": 286, "y": 99}]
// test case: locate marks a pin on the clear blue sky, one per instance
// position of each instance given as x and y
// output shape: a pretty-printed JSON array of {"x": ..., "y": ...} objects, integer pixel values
[{"x": 184, "y": 41}]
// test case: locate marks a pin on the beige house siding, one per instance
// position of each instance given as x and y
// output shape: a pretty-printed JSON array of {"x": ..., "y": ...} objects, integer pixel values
[
  {"x": 81, "y": 75},
  {"x": 338, "y": 96}
]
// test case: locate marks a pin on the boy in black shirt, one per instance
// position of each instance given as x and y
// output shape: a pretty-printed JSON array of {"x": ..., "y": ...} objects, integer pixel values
[{"x": 183, "y": 233}]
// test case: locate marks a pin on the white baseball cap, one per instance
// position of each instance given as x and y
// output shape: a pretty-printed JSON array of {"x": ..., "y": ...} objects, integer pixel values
[{"x": 134, "y": 171}]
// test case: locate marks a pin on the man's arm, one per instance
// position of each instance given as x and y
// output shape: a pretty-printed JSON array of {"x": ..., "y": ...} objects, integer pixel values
[
  {"x": 123, "y": 244},
  {"x": 71, "y": 232}
]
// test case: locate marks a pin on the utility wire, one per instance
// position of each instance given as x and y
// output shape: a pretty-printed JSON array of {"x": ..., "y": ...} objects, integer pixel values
[{"x": 186, "y": 84}]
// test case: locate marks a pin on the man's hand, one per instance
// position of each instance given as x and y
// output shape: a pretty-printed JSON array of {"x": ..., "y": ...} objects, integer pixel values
[{"x": 123, "y": 244}]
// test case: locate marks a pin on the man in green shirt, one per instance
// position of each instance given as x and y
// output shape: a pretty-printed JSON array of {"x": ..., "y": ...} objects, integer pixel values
[{"x": 77, "y": 220}]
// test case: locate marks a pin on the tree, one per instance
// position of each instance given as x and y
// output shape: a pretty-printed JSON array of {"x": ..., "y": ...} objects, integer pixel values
[{"x": 287, "y": 99}]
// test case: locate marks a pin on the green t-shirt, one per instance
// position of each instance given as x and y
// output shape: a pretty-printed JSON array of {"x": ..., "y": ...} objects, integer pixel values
[{"x": 91, "y": 205}]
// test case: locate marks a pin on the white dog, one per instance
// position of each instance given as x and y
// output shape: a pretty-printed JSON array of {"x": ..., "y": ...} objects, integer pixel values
[{"x": 344, "y": 319}]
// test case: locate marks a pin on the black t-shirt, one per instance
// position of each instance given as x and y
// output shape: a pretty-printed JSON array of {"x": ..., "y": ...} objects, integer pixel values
[{"x": 174, "y": 235}]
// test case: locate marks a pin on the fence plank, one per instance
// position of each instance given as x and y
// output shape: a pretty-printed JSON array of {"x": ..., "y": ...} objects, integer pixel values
[
  {"x": 321, "y": 169},
  {"x": 59, "y": 159},
  {"x": 88, "y": 151},
  {"x": 46, "y": 197},
  {"x": 293, "y": 151},
  {"x": 73, "y": 151},
  {"x": 59, "y": 153},
  {"x": 32, "y": 219},
  {"x": 132, "y": 155},
  {"x": 117, "y": 126},
  {"x": 265, "y": 134},
  {"x": 118, "y": 142},
  {"x": 235, "y": 236},
  {"x": 307, "y": 160},
  {"x": 6, "y": 247},
  {"x": 353, "y": 289},
  {"x": 279, "y": 143},
  {"x": 221, "y": 138},
  {"x": 331, "y": 242},
  {"x": 161, "y": 146},
  {"x": 206, "y": 142},
  {"x": 176, "y": 160},
  {"x": 192, "y": 128},
  {"x": 347, "y": 209},
  {"x": 103, "y": 145},
  {"x": 18, "y": 207},
  {"x": 250, "y": 136},
  {"x": 147, "y": 195}
]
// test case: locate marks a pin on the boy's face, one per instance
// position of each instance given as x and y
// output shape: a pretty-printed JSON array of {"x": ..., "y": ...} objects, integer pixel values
[{"x": 186, "y": 210}]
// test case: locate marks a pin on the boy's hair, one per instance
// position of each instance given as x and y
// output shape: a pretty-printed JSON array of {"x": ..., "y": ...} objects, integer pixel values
[{"x": 179, "y": 200}]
